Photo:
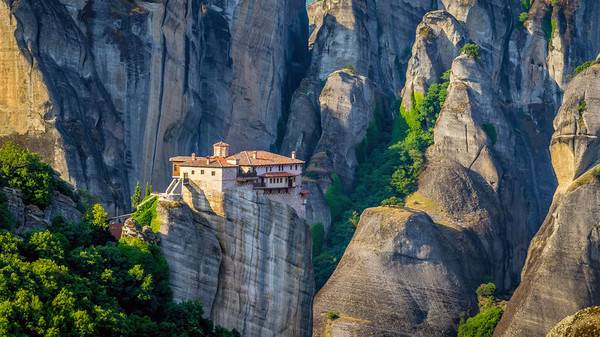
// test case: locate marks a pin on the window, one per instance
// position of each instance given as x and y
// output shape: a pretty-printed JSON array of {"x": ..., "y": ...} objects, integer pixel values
[
  {"x": 212, "y": 173},
  {"x": 193, "y": 172},
  {"x": 201, "y": 171}
]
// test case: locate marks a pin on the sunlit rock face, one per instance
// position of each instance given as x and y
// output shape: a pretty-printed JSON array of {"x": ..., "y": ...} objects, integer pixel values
[
  {"x": 107, "y": 91},
  {"x": 563, "y": 267},
  {"x": 250, "y": 265}
]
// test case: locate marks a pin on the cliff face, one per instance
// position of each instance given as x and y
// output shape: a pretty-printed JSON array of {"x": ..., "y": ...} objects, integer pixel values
[
  {"x": 488, "y": 174},
  {"x": 372, "y": 42},
  {"x": 387, "y": 283},
  {"x": 250, "y": 266},
  {"x": 563, "y": 269},
  {"x": 118, "y": 87}
]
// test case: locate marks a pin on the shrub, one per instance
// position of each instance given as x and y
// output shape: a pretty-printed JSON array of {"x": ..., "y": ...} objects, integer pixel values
[
  {"x": 482, "y": 325},
  {"x": 595, "y": 172},
  {"x": 333, "y": 315},
  {"x": 471, "y": 50},
  {"x": 527, "y": 4},
  {"x": 523, "y": 17},
  {"x": 582, "y": 107},
  {"x": 146, "y": 214},
  {"x": 350, "y": 68},
  {"x": 583, "y": 67},
  {"x": 490, "y": 130},
  {"x": 391, "y": 201},
  {"x": 486, "y": 290}
]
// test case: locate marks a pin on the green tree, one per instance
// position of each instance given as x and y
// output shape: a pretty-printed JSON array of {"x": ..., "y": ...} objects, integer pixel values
[
  {"x": 148, "y": 190},
  {"x": 137, "y": 196},
  {"x": 98, "y": 217},
  {"x": 25, "y": 171},
  {"x": 471, "y": 50}
]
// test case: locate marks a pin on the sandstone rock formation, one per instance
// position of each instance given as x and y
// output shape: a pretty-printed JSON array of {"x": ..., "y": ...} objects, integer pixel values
[
  {"x": 131, "y": 228},
  {"x": 250, "y": 267},
  {"x": 438, "y": 41},
  {"x": 563, "y": 268},
  {"x": 107, "y": 91},
  {"x": 584, "y": 323},
  {"x": 30, "y": 218},
  {"x": 388, "y": 282}
]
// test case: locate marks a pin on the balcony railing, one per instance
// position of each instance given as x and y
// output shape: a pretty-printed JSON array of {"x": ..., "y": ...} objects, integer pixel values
[
  {"x": 259, "y": 185},
  {"x": 247, "y": 174}
]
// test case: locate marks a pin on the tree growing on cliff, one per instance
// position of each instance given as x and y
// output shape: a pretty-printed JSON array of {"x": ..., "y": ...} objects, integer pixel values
[
  {"x": 148, "y": 190},
  {"x": 137, "y": 196},
  {"x": 25, "y": 171},
  {"x": 471, "y": 50}
]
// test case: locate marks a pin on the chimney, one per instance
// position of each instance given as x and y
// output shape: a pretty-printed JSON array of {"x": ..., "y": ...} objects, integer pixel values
[
  {"x": 293, "y": 154},
  {"x": 193, "y": 156},
  {"x": 254, "y": 155}
]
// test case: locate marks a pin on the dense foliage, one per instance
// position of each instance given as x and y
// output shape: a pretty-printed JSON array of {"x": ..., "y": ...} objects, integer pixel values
[
  {"x": 71, "y": 281},
  {"x": 490, "y": 312},
  {"x": 391, "y": 159},
  {"x": 7, "y": 219},
  {"x": 74, "y": 279},
  {"x": 25, "y": 171},
  {"x": 146, "y": 214}
]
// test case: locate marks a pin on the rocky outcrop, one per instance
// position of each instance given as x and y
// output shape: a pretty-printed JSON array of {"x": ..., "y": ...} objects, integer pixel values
[
  {"x": 373, "y": 40},
  {"x": 583, "y": 323},
  {"x": 563, "y": 267},
  {"x": 250, "y": 267},
  {"x": 346, "y": 102},
  {"x": 402, "y": 275},
  {"x": 107, "y": 91},
  {"x": 131, "y": 228},
  {"x": 438, "y": 41},
  {"x": 30, "y": 218},
  {"x": 57, "y": 105}
]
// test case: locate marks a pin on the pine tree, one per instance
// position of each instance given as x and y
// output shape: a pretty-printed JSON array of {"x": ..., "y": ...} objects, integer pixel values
[
  {"x": 137, "y": 196},
  {"x": 148, "y": 190}
]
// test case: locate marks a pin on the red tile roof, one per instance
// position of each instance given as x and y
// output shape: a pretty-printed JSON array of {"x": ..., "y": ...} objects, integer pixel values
[
  {"x": 278, "y": 174},
  {"x": 304, "y": 192},
  {"x": 263, "y": 158},
  {"x": 180, "y": 158},
  {"x": 115, "y": 229},
  {"x": 207, "y": 162}
]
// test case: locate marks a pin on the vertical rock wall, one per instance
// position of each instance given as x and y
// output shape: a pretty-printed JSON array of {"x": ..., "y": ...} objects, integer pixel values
[
  {"x": 562, "y": 272},
  {"x": 250, "y": 267},
  {"x": 118, "y": 87}
]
